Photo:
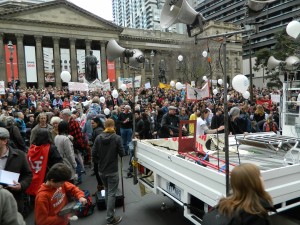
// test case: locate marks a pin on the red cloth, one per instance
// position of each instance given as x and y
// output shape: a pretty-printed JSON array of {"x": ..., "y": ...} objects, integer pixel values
[
  {"x": 38, "y": 159},
  {"x": 262, "y": 101}
]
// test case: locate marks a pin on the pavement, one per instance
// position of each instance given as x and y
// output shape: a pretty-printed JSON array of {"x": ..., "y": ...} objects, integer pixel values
[{"x": 139, "y": 210}]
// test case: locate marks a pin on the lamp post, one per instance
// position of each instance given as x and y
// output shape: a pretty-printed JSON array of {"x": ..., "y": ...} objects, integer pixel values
[
  {"x": 152, "y": 54},
  {"x": 11, "y": 58}
]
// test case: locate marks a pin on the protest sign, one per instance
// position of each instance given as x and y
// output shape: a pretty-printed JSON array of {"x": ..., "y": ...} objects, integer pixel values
[
  {"x": 196, "y": 93},
  {"x": 77, "y": 86}
]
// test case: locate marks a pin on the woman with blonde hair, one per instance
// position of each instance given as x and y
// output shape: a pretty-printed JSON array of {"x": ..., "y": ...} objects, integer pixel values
[{"x": 248, "y": 203}]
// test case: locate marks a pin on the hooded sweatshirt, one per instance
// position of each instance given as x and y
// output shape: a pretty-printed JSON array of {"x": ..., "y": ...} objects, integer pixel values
[
  {"x": 106, "y": 148},
  {"x": 49, "y": 201}
]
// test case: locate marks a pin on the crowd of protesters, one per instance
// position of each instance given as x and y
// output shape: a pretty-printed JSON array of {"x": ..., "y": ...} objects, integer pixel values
[{"x": 69, "y": 122}]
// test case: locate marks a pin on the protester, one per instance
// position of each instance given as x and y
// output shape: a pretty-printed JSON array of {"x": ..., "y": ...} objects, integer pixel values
[
  {"x": 53, "y": 196},
  {"x": 106, "y": 149},
  {"x": 202, "y": 127},
  {"x": 248, "y": 203},
  {"x": 125, "y": 119},
  {"x": 42, "y": 121}
]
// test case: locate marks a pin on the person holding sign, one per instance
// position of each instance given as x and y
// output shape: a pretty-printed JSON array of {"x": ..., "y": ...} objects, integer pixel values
[{"x": 14, "y": 160}]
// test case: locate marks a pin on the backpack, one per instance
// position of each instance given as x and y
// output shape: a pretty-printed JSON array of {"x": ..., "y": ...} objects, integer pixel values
[
  {"x": 87, "y": 209},
  {"x": 268, "y": 127}
]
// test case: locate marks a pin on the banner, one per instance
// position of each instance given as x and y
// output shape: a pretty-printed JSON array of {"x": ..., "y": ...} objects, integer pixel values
[
  {"x": 2, "y": 88},
  {"x": 147, "y": 85},
  {"x": 77, "y": 86},
  {"x": 65, "y": 59},
  {"x": 48, "y": 65},
  {"x": 128, "y": 82},
  {"x": 111, "y": 71},
  {"x": 15, "y": 64},
  {"x": 80, "y": 53},
  {"x": 98, "y": 56},
  {"x": 30, "y": 64},
  {"x": 275, "y": 98},
  {"x": 196, "y": 93},
  {"x": 97, "y": 85},
  {"x": 264, "y": 101},
  {"x": 164, "y": 86}
]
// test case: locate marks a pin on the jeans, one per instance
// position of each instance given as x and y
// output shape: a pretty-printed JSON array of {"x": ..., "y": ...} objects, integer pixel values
[
  {"x": 126, "y": 135},
  {"x": 111, "y": 183}
]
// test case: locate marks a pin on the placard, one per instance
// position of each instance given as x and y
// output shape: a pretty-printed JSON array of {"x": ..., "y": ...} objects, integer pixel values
[
  {"x": 77, "y": 86},
  {"x": 49, "y": 65},
  {"x": 30, "y": 64}
]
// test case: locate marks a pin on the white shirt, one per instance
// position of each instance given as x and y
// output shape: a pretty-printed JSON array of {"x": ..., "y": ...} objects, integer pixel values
[{"x": 199, "y": 127}]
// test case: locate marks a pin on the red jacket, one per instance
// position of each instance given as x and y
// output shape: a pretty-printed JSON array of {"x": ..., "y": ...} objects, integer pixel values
[{"x": 49, "y": 201}]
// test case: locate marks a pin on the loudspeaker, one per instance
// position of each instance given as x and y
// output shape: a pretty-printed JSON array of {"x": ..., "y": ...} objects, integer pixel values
[
  {"x": 113, "y": 50},
  {"x": 180, "y": 11},
  {"x": 273, "y": 63},
  {"x": 256, "y": 6},
  {"x": 292, "y": 63},
  {"x": 137, "y": 58}
]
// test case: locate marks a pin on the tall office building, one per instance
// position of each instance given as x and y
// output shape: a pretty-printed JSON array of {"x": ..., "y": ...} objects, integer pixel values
[
  {"x": 144, "y": 14},
  {"x": 275, "y": 17}
]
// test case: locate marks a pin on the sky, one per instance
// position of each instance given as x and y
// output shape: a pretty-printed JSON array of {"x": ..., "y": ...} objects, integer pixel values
[{"x": 101, "y": 8}]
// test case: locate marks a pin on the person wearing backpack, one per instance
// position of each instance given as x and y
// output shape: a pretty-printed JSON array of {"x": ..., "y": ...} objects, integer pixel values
[{"x": 270, "y": 125}]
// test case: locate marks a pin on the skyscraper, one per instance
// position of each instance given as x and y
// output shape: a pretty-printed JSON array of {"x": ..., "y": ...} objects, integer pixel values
[{"x": 144, "y": 14}]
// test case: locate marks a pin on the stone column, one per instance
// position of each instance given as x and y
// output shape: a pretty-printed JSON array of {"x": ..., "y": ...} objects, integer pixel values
[
  {"x": 57, "y": 64},
  {"x": 87, "y": 46},
  {"x": 39, "y": 61},
  {"x": 103, "y": 61},
  {"x": 74, "y": 75},
  {"x": 21, "y": 60},
  {"x": 2, "y": 60}
]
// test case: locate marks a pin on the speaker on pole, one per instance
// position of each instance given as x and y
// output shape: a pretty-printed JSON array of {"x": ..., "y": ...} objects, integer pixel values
[
  {"x": 137, "y": 58},
  {"x": 256, "y": 6},
  {"x": 114, "y": 50},
  {"x": 180, "y": 11},
  {"x": 292, "y": 63},
  {"x": 273, "y": 63}
]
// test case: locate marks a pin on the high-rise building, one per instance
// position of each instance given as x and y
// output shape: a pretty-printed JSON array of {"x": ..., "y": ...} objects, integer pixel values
[
  {"x": 144, "y": 14},
  {"x": 276, "y": 17}
]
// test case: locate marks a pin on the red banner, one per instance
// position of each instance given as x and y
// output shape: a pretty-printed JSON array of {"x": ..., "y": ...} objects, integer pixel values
[
  {"x": 264, "y": 101},
  {"x": 111, "y": 71},
  {"x": 15, "y": 63}
]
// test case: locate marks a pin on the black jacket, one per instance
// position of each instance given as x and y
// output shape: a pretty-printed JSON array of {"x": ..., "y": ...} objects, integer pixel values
[
  {"x": 106, "y": 148},
  {"x": 96, "y": 132},
  {"x": 172, "y": 121},
  {"x": 17, "y": 163}
]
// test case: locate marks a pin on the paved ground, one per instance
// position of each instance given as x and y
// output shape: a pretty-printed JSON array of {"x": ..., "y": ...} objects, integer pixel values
[{"x": 146, "y": 210}]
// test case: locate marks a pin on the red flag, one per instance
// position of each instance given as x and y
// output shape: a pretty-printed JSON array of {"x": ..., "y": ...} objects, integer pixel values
[
  {"x": 38, "y": 159},
  {"x": 264, "y": 101}
]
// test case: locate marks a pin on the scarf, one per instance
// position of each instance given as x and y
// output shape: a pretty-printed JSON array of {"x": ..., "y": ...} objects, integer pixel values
[{"x": 109, "y": 130}]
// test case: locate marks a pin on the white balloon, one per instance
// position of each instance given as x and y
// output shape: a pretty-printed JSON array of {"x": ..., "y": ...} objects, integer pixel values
[
  {"x": 228, "y": 97},
  {"x": 65, "y": 76},
  {"x": 115, "y": 93},
  {"x": 220, "y": 81},
  {"x": 240, "y": 83},
  {"x": 205, "y": 78},
  {"x": 227, "y": 85},
  {"x": 204, "y": 54},
  {"x": 106, "y": 111},
  {"x": 215, "y": 91},
  {"x": 172, "y": 83},
  {"x": 180, "y": 58},
  {"x": 102, "y": 99},
  {"x": 246, "y": 94},
  {"x": 178, "y": 86}
]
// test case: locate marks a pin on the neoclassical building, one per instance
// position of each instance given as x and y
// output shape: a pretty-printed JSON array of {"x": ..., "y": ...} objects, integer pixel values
[{"x": 51, "y": 37}]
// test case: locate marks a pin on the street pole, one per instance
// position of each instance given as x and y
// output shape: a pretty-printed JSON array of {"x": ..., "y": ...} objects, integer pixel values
[
  {"x": 11, "y": 59},
  {"x": 250, "y": 65},
  {"x": 152, "y": 67}
]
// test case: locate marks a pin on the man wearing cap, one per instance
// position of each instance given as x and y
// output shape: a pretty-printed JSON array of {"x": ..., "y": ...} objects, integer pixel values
[
  {"x": 171, "y": 120},
  {"x": 14, "y": 160}
]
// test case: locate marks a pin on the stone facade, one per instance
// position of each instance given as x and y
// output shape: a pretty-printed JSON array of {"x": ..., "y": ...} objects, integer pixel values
[{"x": 61, "y": 24}]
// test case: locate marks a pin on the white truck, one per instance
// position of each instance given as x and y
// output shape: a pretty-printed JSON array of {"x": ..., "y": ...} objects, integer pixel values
[{"x": 184, "y": 178}]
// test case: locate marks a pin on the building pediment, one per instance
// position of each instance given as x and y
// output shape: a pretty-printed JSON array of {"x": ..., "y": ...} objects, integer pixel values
[{"x": 59, "y": 13}]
